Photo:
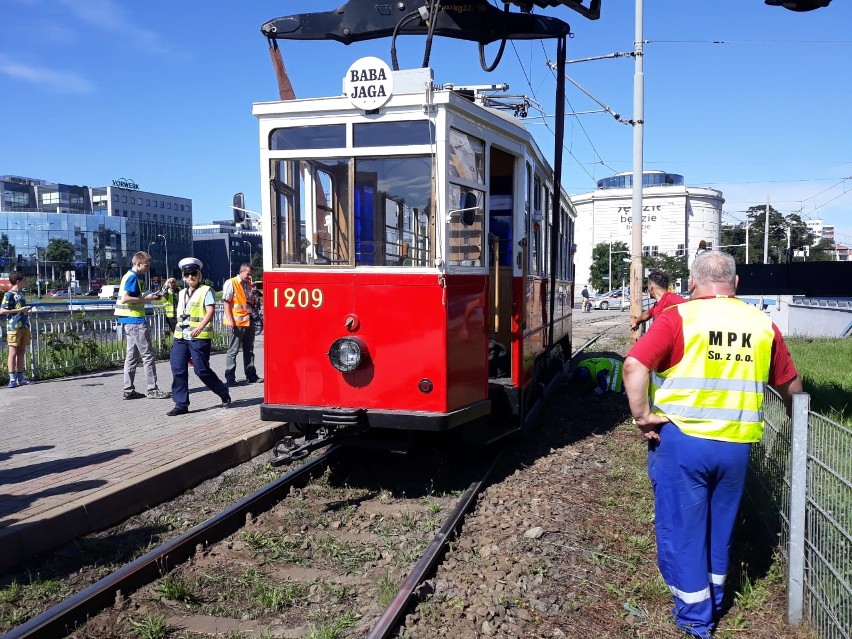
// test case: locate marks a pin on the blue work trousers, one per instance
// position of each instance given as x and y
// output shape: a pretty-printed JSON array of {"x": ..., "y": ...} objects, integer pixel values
[
  {"x": 198, "y": 350},
  {"x": 697, "y": 485}
]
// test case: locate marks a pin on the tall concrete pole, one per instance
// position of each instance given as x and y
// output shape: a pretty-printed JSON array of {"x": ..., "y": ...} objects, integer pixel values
[
  {"x": 766, "y": 234},
  {"x": 636, "y": 273}
]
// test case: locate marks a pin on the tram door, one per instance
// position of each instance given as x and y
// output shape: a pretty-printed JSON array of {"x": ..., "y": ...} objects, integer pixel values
[{"x": 501, "y": 204}]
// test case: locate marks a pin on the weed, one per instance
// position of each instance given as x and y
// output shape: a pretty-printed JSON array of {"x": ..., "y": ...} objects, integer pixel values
[
  {"x": 150, "y": 627},
  {"x": 387, "y": 590},
  {"x": 176, "y": 589},
  {"x": 432, "y": 506},
  {"x": 752, "y": 595},
  {"x": 640, "y": 542},
  {"x": 338, "y": 591},
  {"x": 335, "y": 628}
]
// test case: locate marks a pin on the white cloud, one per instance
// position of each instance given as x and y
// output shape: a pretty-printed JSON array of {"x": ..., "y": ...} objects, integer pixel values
[
  {"x": 109, "y": 16},
  {"x": 50, "y": 80}
]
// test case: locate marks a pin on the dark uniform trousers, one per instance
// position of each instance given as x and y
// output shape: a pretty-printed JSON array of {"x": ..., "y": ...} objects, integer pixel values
[{"x": 197, "y": 350}]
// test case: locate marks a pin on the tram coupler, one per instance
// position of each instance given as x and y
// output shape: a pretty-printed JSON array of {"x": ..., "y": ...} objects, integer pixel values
[{"x": 286, "y": 450}]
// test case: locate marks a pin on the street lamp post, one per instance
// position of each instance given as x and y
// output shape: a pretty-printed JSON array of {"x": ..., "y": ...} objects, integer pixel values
[
  {"x": 150, "y": 244},
  {"x": 610, "y": 265},
  {"x": 166, "y": 244}
]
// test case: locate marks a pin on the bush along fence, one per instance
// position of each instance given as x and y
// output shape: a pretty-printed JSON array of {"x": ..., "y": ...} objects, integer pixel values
[
  {"x": 73, "y": 342},
  {"x": 801, "y": 483}
]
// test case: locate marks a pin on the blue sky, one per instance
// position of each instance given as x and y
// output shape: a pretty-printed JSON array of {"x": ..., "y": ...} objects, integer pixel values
[{"x": 161, "y": 93}]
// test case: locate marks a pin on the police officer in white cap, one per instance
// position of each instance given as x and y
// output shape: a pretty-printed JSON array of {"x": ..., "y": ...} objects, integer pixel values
[{"x": 193, "y": 338}]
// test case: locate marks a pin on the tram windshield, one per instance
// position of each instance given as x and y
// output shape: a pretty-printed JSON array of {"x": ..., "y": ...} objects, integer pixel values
[{"x": 387, "y": 220}]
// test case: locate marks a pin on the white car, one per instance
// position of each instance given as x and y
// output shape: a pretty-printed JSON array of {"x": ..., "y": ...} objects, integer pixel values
[{"x": 604, "y": 303}]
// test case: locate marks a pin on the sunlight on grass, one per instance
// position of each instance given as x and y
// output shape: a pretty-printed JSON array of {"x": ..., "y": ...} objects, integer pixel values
[{"x": 822, "y": 363}]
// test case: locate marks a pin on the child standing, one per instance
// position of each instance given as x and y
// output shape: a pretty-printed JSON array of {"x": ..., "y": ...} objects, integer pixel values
[{"x": 15, "y": 307}]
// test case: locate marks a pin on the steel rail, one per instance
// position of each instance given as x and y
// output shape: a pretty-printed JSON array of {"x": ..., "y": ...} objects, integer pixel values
[
  {"x": 63, "y": 618},
  {"x": 388, "y": 623}
]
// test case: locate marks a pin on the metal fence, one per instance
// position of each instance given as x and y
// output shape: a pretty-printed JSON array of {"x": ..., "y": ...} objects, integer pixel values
[
  {"x": 801, "y": 483},
  {"x": 74, "y": 341}
]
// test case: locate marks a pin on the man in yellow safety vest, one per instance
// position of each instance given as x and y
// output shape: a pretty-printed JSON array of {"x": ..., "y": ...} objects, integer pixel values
[{"x": 695, "y": 385}]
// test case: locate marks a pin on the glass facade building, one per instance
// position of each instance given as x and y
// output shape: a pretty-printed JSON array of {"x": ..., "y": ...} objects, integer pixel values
[{"x": 104, "y": 225}]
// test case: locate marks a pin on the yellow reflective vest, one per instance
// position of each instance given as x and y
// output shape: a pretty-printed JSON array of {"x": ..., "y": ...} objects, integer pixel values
[
  {"x": 716, "y": 390},
  {"x": 613, "y": 368},
  {"x": 127, "y": 310},
  {"x": 196, "y": 310},
  {"x": 170, "y": 302}
]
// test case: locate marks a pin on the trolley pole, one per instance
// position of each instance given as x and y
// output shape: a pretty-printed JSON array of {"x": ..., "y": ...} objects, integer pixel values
[{"x": 636, "y": 273}]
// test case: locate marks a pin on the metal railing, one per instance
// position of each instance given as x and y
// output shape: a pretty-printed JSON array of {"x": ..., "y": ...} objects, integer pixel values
[
  {"x": 75, "y": 341},
  {"x": 801, "y": 483}
]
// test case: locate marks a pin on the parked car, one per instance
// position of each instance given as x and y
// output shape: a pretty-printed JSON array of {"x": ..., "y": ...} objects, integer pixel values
[
  {"x": 93, "y": 292},
  {"x": 60, "y": 292}
]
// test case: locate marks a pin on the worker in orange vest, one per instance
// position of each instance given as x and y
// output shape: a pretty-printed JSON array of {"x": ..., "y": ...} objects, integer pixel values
[{"x": 238, "y": 296}]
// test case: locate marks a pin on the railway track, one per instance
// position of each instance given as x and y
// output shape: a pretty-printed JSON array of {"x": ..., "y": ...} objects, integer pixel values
[{"x": 318, "y": 545}]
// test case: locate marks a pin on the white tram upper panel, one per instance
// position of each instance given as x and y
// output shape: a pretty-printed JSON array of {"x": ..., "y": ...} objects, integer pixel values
[{"x": 418, "y": 182}]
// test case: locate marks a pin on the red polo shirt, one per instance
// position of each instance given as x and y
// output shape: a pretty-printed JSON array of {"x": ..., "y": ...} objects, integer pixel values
[{"x": 668, "y": 299}]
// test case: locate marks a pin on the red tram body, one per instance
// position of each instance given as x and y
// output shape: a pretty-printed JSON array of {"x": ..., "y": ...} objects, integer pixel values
[{"x": 408, "y": 262}]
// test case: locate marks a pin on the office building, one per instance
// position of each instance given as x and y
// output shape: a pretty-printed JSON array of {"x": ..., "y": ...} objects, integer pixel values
[{"x": 105, "y": 225}]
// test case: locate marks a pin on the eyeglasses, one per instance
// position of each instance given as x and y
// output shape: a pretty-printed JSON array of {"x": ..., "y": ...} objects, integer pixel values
[{"x": 190, "y": 273}]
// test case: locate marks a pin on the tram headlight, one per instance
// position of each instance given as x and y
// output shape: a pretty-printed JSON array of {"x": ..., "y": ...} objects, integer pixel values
[{"x": 347, "y": 354}]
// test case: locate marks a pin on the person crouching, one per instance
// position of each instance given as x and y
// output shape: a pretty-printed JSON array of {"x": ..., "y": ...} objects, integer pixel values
[{"x": 193, "y": 338}]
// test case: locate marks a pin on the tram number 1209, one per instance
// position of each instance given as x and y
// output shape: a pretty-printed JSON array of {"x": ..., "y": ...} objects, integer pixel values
[{"x": 300, "y": 298}]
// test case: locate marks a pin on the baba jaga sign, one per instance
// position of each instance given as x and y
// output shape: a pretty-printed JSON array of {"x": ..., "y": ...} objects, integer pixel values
[{"x": 368, "y": 83}]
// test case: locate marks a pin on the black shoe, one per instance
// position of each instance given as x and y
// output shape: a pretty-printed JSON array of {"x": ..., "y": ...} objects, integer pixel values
[
  {"x": 226, "y": 402},
  {"x": 177, "y": 410},
  {"x": 255, "y": 380},
  {"x": 133, "y": 395},
  {"x": 230, "y": 382}
]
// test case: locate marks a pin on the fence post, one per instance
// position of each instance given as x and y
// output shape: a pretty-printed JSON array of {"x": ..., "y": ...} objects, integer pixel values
[{"x": 798, "y": 501}]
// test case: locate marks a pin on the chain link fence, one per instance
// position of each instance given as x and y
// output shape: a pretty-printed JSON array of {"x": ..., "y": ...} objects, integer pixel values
[{"x": 801, "y": 484}]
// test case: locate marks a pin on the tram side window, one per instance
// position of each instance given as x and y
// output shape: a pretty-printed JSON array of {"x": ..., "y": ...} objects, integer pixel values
[
  {"x": 467, "y": 226},
  {"x": 535, "y": 231},
  {"x": 466, "y": 201},
  {"x": 394, "y": 224},
  {"x": 311, "y": 199}
]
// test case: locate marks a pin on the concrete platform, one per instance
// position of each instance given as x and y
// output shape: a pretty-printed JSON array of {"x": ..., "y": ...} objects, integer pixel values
[{"x": 76, "y": 457}]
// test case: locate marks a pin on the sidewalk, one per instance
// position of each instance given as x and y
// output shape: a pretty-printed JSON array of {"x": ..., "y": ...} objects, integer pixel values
[{"x": 77, "y": 457}]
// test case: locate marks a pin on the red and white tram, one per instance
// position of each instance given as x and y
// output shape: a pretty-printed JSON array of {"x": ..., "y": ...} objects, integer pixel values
[{"x": 410, "y": 276}]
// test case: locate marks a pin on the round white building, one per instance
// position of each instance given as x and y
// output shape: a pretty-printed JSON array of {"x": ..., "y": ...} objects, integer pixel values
[{"x": 675, "y": 217}]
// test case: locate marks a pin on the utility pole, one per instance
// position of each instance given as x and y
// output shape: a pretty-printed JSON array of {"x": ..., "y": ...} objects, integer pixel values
[
  {"x": 636, "y": 273},
  {"x": 766, "y": 234}
]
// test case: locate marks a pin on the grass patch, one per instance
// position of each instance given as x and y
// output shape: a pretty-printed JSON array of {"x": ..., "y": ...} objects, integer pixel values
[
  {"x": 150, "y": 627},
  {"x": 826, "y": 377},
  {"x": 335, "y": 628}
]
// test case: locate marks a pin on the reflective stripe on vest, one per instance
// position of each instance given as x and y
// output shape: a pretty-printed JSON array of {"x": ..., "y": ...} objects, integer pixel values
[
  {"x": 169, "y": 303},
  {"x": 716, "y": 390},
  {"x": 240, "y": 308},
  {"x": 196, "y": 310},
  {"x": 127, "y": 310}
]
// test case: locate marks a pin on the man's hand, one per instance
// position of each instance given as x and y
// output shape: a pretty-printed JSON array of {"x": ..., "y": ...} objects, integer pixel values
[{"x": 650, "y": 425}]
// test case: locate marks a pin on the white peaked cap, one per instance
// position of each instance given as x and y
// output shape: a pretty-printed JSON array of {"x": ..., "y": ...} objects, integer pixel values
[{"x": 189, "y": 263}]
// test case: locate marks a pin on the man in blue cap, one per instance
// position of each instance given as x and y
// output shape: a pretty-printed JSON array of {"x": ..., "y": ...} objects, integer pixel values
[{"x": 193, "y": 338}]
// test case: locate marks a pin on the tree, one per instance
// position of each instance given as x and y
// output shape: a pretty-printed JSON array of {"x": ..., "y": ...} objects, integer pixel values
[
  {"x": 779, "y": 229},
  {"x": 61, "y": 253},
  {"x": 823, "y": 251},
  {"x": 599, "y": 270},
  {"x": 257, "y": 265}
]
